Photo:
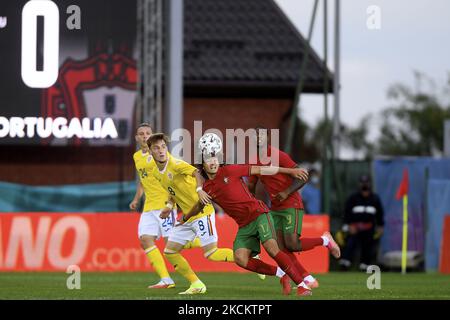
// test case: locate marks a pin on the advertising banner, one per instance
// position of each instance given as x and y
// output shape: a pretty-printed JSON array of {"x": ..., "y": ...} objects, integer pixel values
[{"x": 109, "y": 242}]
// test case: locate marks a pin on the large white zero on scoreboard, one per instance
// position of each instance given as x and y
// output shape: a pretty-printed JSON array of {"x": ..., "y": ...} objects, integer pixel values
[{"x": 49, "y": 74}]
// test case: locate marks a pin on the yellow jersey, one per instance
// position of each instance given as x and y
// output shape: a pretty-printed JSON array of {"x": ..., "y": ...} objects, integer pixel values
[
  {"x": 177, "y": 179},
  {"x": 155, "y": 195}
]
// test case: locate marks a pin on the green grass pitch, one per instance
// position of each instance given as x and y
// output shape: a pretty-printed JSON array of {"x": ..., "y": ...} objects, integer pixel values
[{"x": 228, "y": 286}]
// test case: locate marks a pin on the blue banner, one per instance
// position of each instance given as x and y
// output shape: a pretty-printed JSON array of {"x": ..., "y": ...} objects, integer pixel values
[
  {"x": 99, "y": 197},
  {"x": 438, "y": 205},
  {"x": 388, "y": 175}
]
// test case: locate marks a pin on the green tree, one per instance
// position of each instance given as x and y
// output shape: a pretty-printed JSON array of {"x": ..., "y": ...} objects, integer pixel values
[
  {"x": 357, "y": 138},
  {"x": 414, "y": 125}
]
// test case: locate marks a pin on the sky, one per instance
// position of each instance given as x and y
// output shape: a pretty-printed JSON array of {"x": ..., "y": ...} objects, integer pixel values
[{"x": 412, "y": 35}]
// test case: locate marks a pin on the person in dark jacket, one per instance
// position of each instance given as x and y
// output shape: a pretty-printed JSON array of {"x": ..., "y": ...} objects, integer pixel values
[{"x": 363, "y": 224}]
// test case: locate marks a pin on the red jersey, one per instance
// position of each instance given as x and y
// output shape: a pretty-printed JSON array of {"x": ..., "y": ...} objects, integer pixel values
[
  {"x": 232, "y": 194},
  {"x": 276, "y": 183}
]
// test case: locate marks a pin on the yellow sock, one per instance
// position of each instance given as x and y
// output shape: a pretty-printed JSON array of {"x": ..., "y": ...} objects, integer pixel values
[
  {"x": 193, "y": 244},
  {"x": 220, "y": 254},
  {"x": 156, "y": 260},
  {"x": 181, "y": 266}
]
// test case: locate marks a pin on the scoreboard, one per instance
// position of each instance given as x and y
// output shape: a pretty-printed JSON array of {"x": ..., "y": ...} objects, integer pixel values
[{"x": 67, "y": 72}]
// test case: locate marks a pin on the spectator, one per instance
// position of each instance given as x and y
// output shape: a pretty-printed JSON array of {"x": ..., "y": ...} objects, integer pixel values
[
  {"x": 363, "y": 224},
  {"x": 311, "y": 193}
]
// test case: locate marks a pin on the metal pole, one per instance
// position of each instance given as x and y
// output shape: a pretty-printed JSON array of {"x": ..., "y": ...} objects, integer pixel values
[
  {"x": 159, "y": 64},
  {"x": 140, "y": 62},
  {"x": 174, "y": 80},
  {"x": 148, "y": 63},
  {"x": 336, "y": 81},
  {"x": 326, "y": 174},
  {"x": 299, "y": 89},
  {"x": 325, "y": 62}
]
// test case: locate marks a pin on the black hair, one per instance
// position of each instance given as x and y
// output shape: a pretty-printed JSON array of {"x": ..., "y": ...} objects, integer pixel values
[
  {"x": 201, "y": 169},
  {"x": 365, "y": 178}
]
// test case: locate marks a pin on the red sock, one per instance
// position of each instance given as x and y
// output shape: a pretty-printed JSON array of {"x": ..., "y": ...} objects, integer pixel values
[
  {"x": 288, "y": 266},
  {"x": 297, "y": 263},
  {"x": 259, "y": 266},
  {"x": 310, "y": 243}
]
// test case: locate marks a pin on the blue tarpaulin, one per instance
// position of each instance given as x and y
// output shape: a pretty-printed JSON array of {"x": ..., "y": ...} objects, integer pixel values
[
  {"x": 99, "y": 197},
  {"x": 438, "y": 205},
  {"x": 388, "y": 175}
]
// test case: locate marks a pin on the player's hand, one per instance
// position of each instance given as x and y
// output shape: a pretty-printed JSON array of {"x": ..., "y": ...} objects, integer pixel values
[
  {"x": 165, "y": 213},
  {"x": 204, "y": 197},
  {"x": 281, "y": 196},
  {"x": 134, "y": 204},
  {"x": 299, "y": 173}
]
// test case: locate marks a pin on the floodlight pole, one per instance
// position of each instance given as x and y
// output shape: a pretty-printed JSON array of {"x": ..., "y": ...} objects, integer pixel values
[
  {"x": 173, "y": 115},
  {"x": 336, "y": 80},
  {"x": 326, "y": 154},
  {"x": 299, "y": 88},
  {"x": 149, "y": 62}
]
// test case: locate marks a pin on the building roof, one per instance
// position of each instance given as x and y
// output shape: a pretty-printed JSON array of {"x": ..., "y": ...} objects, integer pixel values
[{"x": 244, "y": 45}]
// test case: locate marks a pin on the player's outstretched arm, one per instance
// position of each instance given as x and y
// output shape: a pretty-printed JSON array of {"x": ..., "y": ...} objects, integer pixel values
[
  {"x": 139, "y": 192},
  {"x": 297, "y": 173}
]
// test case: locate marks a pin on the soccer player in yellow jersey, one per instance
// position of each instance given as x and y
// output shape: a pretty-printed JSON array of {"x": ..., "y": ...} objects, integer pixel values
[
  {"x": 151, "y": 226},
  {"x": 178, "y": 178}
]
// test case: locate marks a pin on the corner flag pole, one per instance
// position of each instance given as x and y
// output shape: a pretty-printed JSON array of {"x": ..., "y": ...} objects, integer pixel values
[
  {"x": 405, "y": 233},
  {"x": 402, "y": 192}
]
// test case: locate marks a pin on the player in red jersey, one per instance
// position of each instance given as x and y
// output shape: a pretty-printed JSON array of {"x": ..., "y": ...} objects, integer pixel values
[
  {"x": 225, "y": 187},
  {"x": 286, "y": 205}
]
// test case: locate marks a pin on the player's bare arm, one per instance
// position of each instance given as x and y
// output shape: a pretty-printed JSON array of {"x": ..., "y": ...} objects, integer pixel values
[
  {"x": 297, "y": 173},
  {"x": 294, "y": 187},
  {"x": 204, "y": 197},
  {"x": 165, "y": 212},
  {"x": 139, "y": 192}
]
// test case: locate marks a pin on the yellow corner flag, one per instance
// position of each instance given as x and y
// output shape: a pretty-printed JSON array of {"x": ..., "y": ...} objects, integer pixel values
[{"x": 402, "y": 192}]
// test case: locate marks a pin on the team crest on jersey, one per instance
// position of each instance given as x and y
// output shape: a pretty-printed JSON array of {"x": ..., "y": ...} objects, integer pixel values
[
  {"x": 143, "y": 173},
  {"x": 169, "y": 175},
  {"x": 225, "y": 180}
]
